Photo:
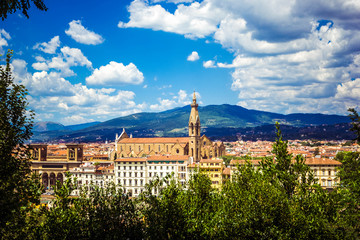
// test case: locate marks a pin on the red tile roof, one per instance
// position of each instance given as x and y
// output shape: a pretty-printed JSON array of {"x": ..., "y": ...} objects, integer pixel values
[
  {"x": 155, "y": 140},
  {"x": 168, "y": 157}
]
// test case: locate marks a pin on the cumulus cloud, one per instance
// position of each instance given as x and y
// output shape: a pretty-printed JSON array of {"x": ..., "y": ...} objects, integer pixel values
[
  {"x": 193, "y": 56},
  {"x": 209, "y": 64},
  {"x": 67, "y": 58},
  {"x": 116, "y": 74},
  {"x": 52, "y": 96},
  {"x": 289, "y": 56},
  {"x": 49, "y": 47},
  {"x": 4, "y": 36},
  {"x": 82, "y": 35},
  {"x": 179, "y": 100},
  {"x": 194, "y": 21}
]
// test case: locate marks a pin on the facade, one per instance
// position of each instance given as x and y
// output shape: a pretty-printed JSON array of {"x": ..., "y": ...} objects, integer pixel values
[
  {"x": 196, "y": 146},
  {"x": 133, "y": 173},
  {"x": 52, "y": 168},
  {"x": 88, "y": 174},
  {"x": 214, "y": 169},
  {"x": 324, "y": 170}
]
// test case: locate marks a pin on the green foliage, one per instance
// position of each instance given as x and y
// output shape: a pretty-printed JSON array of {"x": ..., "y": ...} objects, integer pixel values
[
  {"x": 11, "y": 6},
  {"x": 18, "y": 188},
  {"x": 355, "y": 118}
]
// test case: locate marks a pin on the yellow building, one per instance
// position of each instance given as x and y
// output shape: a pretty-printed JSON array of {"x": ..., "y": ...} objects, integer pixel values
[
  {"x": 214, "y": 169},
  {"x": 196, "y": 146},
  {"x": 324, "y": 170},
  {"x": 52, "y": 168}
]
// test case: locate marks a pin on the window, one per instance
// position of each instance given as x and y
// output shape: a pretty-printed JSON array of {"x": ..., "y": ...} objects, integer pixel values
[
  {"x": 177, "y": 150},
  {"x": 141, "y": 182},
  {"x": 129, "y": 182},
  {"x": 150, "y": 167},
  {"x": 135, "y": 174},
  {"x": 141, "y": 168},
  {"x": 129, "y": 167},
  {"x": 136, "y": 182},
  {"x": 119, "y": 174},
  {"x": 323, "y": 172},
  {"x": 136, "y": 191},
  {"x": 124, "y": 182},
  {"x": 141, "y": 174},
  {"x": 129, "y": 174},
  {"x": 161, "y": 174},
  {"x": 150, "y": 174},
  {"x": 149, "y": 148},
  {"x": 329, "y": 183},
  {"x": 135, "y": 167},
  {"x": 124, "y": 167},
  {"x": 119, "y": 168},
  {"x": 329, "y": 172}
]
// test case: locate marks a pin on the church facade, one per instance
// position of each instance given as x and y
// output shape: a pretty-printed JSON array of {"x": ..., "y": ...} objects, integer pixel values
[{"x": 196, "y": 146}]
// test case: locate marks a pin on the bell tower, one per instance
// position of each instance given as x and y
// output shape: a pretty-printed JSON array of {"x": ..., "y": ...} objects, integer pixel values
[{"x": 194, "y": 131}]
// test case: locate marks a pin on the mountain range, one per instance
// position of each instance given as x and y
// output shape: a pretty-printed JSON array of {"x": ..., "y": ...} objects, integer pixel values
[{"x": 227, "y": 122}]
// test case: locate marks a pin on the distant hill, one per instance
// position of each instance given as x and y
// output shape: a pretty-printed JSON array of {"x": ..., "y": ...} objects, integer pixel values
[
  {"x": 47, "y": 126},
  {"x": 217, "y": 121}
]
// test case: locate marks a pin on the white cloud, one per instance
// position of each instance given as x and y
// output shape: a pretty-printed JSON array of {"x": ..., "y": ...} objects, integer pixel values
[
  {"x": 349, "y": 91},
  {"x": 82, "y": 35},
  {"x": 4, "y": 36},
  {"x": 289, "y": 56},
  {"x": 193, "y": 56},
  {"x": 194, "y": 21},
  {"x": 179, "y": 100},
  {"x": 116, "y": 74},
  {"x": 49, "y": 47},
  {"x": 209, "y": 64},
  {"x": 67, "y": 58}
]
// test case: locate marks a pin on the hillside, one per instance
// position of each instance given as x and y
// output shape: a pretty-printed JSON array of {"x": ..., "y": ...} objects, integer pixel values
[{"x": 216, "y": 121}]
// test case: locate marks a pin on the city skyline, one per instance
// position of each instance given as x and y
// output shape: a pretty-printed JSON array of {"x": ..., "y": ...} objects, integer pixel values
[{"x": 94, "y": 62}]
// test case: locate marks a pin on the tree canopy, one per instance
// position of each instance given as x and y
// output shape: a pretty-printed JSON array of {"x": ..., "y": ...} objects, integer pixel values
[{"x": 11, "y": 6}]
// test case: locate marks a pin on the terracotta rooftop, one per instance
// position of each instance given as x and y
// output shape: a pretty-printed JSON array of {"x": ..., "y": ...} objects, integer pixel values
[
  {"x": 168, "y": 157},
  {"x": 211, "y": 160},
  {"x": 155, "y": 140},
  {"x": 226, "y": 171},
  {"x": 321, "y": 161},
  {"x": 130, "y": 160}
]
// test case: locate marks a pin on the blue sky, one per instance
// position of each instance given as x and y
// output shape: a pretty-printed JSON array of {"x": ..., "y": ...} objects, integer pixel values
[{"x": 86, "y": 61}]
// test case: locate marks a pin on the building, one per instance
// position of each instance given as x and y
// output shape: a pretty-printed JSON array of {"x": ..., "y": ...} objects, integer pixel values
[
  {"x": 196, "y": 146},
  {"x": 133, "y": 173},
  {"x": 90, "y": 174},
  {"x": 214, "y": 169},
  {"x": 324, "y": 170},
  {"x": 51, "y": 167}
]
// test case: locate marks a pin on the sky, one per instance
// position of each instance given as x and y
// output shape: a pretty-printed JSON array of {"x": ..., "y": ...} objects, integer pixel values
[{"x": 85, "y": 61}]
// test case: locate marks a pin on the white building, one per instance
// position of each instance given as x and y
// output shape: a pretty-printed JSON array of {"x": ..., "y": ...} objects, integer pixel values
[
  {"x": 88, "y": 175},
  {"x": 131, "y": 174}
]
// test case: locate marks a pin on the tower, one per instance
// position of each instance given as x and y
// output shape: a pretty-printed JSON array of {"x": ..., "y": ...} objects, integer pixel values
[{"x": 194, "y": 131}]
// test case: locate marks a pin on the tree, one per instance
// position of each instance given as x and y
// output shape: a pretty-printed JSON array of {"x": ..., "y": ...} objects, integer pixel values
[
  {"x": 11, "y": 6},
  {"x": 354, "y": 116},
  {"x": 18, "y": 188}
]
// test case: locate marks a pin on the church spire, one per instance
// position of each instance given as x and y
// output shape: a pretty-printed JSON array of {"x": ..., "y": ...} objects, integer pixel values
[{"x": 194, "y": 131}]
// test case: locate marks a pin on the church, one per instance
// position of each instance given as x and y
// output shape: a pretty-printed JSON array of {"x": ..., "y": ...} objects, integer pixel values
[{"x": 196, "y": 146}]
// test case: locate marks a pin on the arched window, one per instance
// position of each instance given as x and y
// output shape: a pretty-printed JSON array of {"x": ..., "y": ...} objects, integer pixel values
[{"x": 192, "y": 128}]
